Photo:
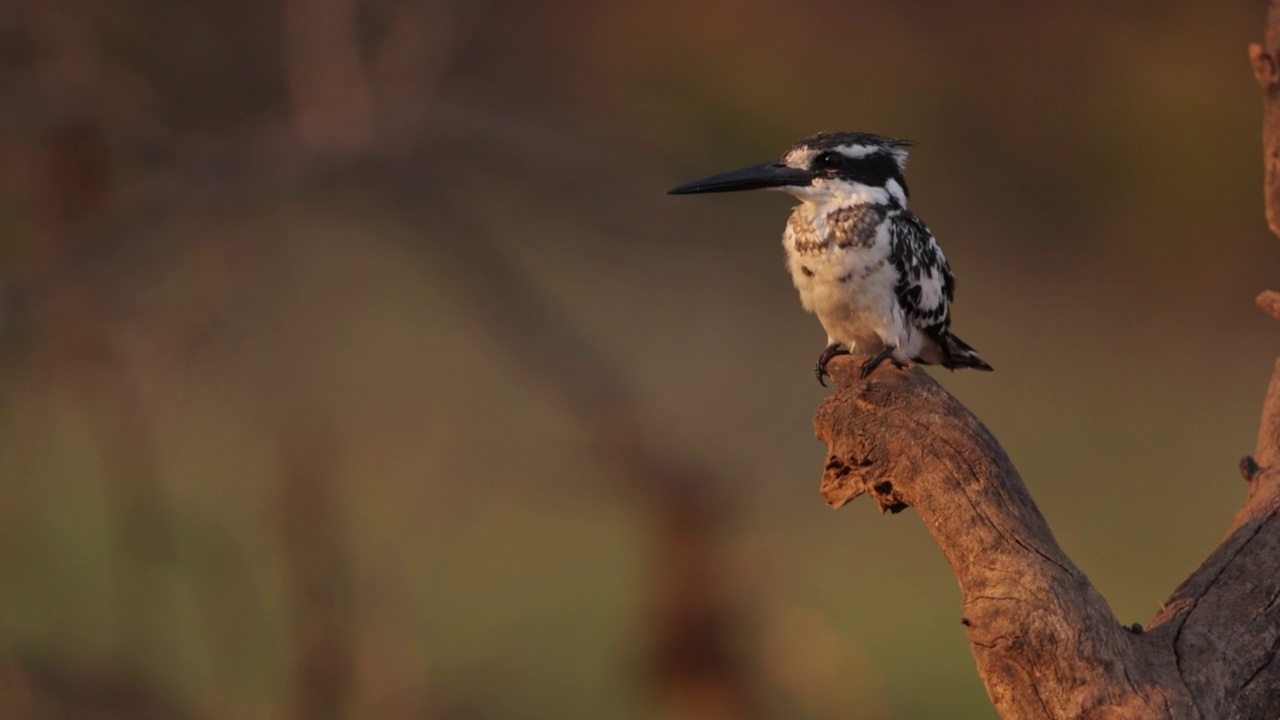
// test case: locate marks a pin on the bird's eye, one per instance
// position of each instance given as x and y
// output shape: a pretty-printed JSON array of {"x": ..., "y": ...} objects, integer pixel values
[{"x": 828, "y": 161}]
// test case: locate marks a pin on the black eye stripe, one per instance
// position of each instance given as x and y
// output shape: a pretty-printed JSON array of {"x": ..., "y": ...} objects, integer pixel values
[{"x": 873, "y": 170}]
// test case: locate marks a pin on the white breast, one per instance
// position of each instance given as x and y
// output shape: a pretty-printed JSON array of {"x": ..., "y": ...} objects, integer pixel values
[{"x": 850, "y": 289}]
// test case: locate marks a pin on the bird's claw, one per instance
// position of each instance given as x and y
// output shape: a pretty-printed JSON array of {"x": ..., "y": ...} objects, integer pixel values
[
  {"x": 872, "y": 363},
  {"x": 831, "y": 351}
]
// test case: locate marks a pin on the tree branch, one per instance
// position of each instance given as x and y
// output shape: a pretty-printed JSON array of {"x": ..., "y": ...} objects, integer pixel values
[{"x": 1044, "y": 640}]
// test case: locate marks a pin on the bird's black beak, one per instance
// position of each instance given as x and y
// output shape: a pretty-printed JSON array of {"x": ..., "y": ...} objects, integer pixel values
[{"x": 769, "y": 175}]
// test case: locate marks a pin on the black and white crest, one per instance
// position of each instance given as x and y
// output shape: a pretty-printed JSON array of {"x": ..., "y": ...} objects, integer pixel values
[{"x": 856, "y": 143}]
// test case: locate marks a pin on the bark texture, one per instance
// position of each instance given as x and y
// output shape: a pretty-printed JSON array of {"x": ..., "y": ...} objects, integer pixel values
[{"x": 1045, "y": 642}]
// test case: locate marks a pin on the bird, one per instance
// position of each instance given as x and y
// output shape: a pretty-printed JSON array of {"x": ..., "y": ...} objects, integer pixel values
[{"x": 868, "y": 267}]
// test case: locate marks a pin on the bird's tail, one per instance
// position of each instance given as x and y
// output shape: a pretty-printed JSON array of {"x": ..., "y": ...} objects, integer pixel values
[{"x": 957, "y": 353}]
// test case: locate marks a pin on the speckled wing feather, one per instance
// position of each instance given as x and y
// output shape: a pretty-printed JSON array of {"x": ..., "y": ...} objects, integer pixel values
[{"x": 925, "y": 286}]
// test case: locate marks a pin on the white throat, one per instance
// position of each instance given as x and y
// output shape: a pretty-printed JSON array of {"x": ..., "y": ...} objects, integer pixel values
[{"x": 846, "y": 193}]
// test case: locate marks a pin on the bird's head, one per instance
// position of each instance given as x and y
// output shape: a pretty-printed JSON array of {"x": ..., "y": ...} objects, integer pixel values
[{"x": 848, "y": 168}]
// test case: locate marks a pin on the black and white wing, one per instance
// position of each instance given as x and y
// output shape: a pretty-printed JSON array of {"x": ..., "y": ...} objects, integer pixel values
[{"x": 926, "y": 288}]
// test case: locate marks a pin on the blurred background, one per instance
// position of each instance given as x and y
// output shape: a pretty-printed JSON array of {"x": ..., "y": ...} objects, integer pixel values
[{"x": 354, "y": 364}]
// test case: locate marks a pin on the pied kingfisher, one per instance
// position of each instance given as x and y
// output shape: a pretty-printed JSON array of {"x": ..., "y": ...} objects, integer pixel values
[{"x": 863, "y": 263}]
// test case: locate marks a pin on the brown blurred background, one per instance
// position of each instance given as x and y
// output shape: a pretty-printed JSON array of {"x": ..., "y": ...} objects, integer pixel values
[{"x": 353, "y": 363}]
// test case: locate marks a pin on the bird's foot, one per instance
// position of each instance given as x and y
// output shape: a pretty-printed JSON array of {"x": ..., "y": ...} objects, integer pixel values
[
  {"x": 872, "y": 363},
  {"x": 820, "y": 369}
]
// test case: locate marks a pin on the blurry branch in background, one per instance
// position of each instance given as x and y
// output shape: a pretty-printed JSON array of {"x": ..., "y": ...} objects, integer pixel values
[
  {"x": 332, "y": 102},
  {"x": 318, "y": 583},
  {"x": 1265, "y": 59},
  {"x": 1045, "y": 642},
  {"x": 350, "y": 94},
  {"x": 56, "y": 326},
  {"x": 694, "y": 667},
  {"x": 369, "y": 113},
  {"x": 36, "y": 689},
  {"x": 695, "y": 670}
]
